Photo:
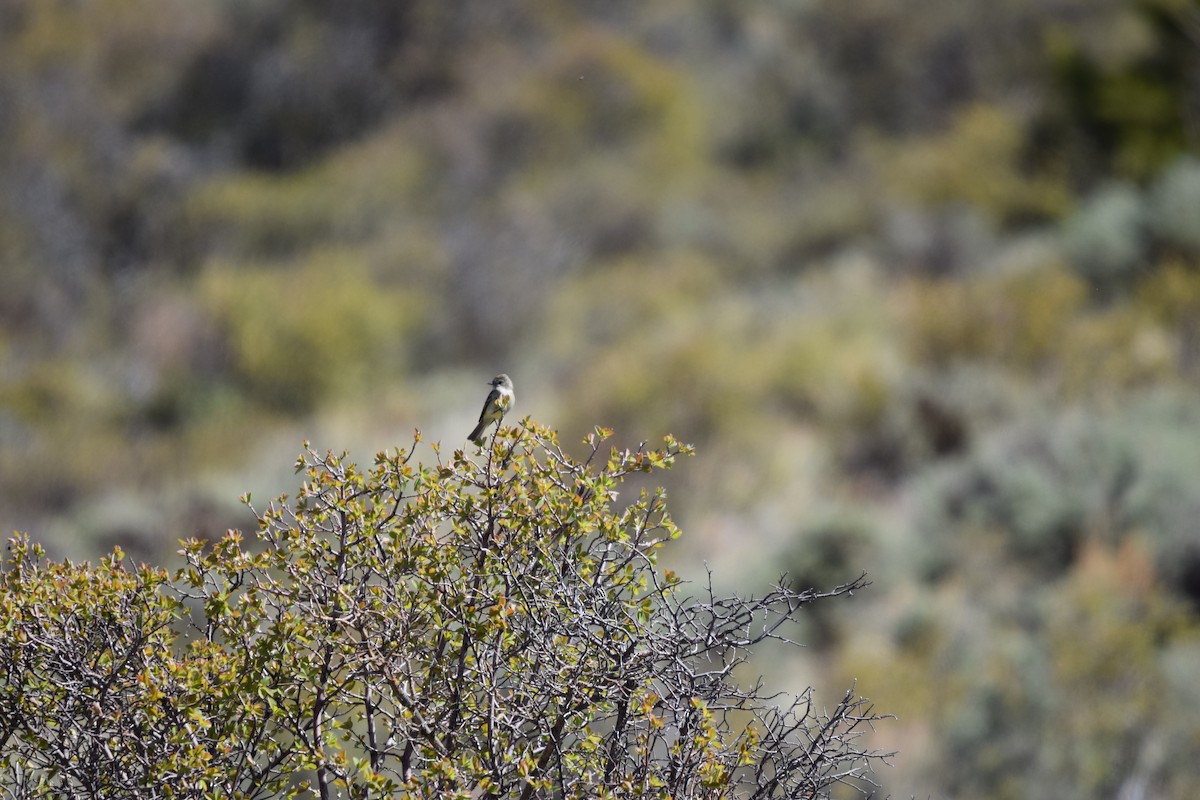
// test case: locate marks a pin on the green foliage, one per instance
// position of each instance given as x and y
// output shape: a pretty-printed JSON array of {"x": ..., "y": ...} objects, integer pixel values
[
  {"x": 1106, "y": 239},
  {"x": 1049, "y": 488},
  {"x": 833, "y": 548},
  {"x": 1015, "y": 318},
  {"x": 1112, "y": 239},
  {"x": 720, "y": 366},
  {"x": 978, "y": 162},
  {"x": 491, "y": 626},
  {"x": 346, "y": 199},
  {"x": 1086, "y": 709},
  {"x": 1038, "y": 325},
  {"x": 96, "y": 697},
  {"x": 1174, "y": 205},
  {"x": 1123, "y": 86},
  {"x": 1172, "y": 295},
  {"x": 1041, "y": 687},
  {"x": 603, "y": 93},
  {"x": 299, "y": 334}
]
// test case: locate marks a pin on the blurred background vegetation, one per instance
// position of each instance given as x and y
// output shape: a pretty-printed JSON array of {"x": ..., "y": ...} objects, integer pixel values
[{"x": 922, "y": 282}]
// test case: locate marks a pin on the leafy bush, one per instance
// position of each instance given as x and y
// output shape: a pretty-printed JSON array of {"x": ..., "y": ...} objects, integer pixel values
[
  {"x": 1048, "y": 488},
  {"x": 1085, "y": 708},
  {"x": 487, "y": 627},
  {"x": 977, "y": 162},
  {"x": 1124, "y": 101},
  {"x": 1017, "y": 318},
  {"x": 302, "y": 333},
  {"x": 834, "y": 548},
  {"x": 346, "y": 198},
  {"x": 1106, "y": 240},
  {"x": 1175, "y": 206},
  {"x": 1114, "y": 236}
]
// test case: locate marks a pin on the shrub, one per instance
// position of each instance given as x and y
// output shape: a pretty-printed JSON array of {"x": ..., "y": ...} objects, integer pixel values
[
  {"x": 1175, "y": 206},
  {"x": 976, "y": 162},
  {"x": 1016, "y": 319},
  {"x": 1084, "y": 709},
  {"x": 1046, "y": 488},
  {"x": 480, "y": 627},
  {"x": 301, "y": 333},
  {"x": 834, "y": 548},
  {"x": 1106, "y": 240}
]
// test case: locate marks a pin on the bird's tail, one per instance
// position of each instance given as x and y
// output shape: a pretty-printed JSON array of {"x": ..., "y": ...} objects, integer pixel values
[{"x": 477, "y": 434}]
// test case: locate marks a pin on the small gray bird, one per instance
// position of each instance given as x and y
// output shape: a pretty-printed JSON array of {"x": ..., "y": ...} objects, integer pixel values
[{"x": 499, "y": 400}]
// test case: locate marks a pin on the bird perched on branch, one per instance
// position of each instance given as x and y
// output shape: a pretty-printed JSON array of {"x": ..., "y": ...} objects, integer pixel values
[{"x": 499, "y": 400}]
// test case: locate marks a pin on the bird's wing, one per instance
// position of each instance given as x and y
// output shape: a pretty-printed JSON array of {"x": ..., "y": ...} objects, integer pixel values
[{"x": 493, "y": 399}]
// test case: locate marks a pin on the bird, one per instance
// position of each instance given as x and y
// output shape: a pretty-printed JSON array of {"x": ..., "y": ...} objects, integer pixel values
[{"x": 499, "y": 400}]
